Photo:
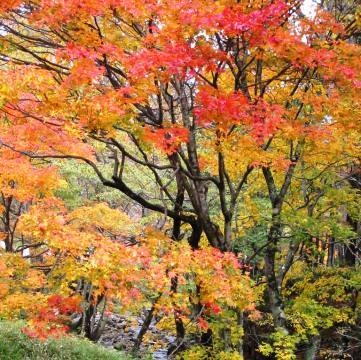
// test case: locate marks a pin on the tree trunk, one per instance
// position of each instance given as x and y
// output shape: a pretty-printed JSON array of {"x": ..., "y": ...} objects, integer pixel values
[
  {"x": 179, "y": 326},
  {"x": 311, "y": 352},
  {"x": 145, "y": 327},
  {"x": 351, "y": 249},
  {"x": 273, "y": 292},
  {"x": 195, "y": 236},
  {"x": 240, "y": 324},
  {"x": 330, "y": 251}
]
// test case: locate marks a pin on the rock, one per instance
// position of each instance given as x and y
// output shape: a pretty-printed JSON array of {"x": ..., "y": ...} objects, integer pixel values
[
  {"x": 120, "y": 333},
  {"x": 119, "y": 346}
]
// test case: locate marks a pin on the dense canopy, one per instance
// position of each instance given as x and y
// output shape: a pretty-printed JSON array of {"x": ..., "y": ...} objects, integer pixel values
[{"x": 196, "y": 160}]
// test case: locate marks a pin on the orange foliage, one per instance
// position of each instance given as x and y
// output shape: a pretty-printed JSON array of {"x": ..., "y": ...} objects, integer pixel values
[{"x": 230, "y": 85}]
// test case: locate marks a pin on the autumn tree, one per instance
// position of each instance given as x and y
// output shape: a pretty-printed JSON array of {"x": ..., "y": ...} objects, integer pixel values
[{"x": 225, "y": 106}]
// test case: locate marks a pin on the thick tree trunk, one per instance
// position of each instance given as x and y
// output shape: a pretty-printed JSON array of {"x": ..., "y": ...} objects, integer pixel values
[
  {"x": 196, "y": 234},
  {"x": 273, "y": 293},
  {"x": 228, "y": 234},
  {"x": 274, "y": 300}
]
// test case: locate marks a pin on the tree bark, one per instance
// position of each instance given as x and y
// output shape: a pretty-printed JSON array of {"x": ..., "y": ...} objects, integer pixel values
[{"x": 273, "y": 293}]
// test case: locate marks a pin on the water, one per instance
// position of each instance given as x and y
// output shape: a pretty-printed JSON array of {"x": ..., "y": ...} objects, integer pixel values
[{"x": 160, "y": 354}]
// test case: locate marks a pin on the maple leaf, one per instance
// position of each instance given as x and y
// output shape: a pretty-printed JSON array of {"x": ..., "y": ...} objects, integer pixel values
[
  {"x": 167, "y": 139},
  {"x": 202, "y": 323}
]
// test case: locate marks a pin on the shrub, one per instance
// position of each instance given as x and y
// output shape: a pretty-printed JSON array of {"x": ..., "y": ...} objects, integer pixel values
[{"x": 14, "y": 345}]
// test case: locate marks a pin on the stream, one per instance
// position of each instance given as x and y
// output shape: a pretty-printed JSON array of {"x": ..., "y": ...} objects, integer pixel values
[{"x": 120, "y": 333}]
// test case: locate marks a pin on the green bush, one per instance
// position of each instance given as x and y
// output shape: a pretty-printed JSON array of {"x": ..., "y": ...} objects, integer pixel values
[{"x": 14, "y": 345}]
